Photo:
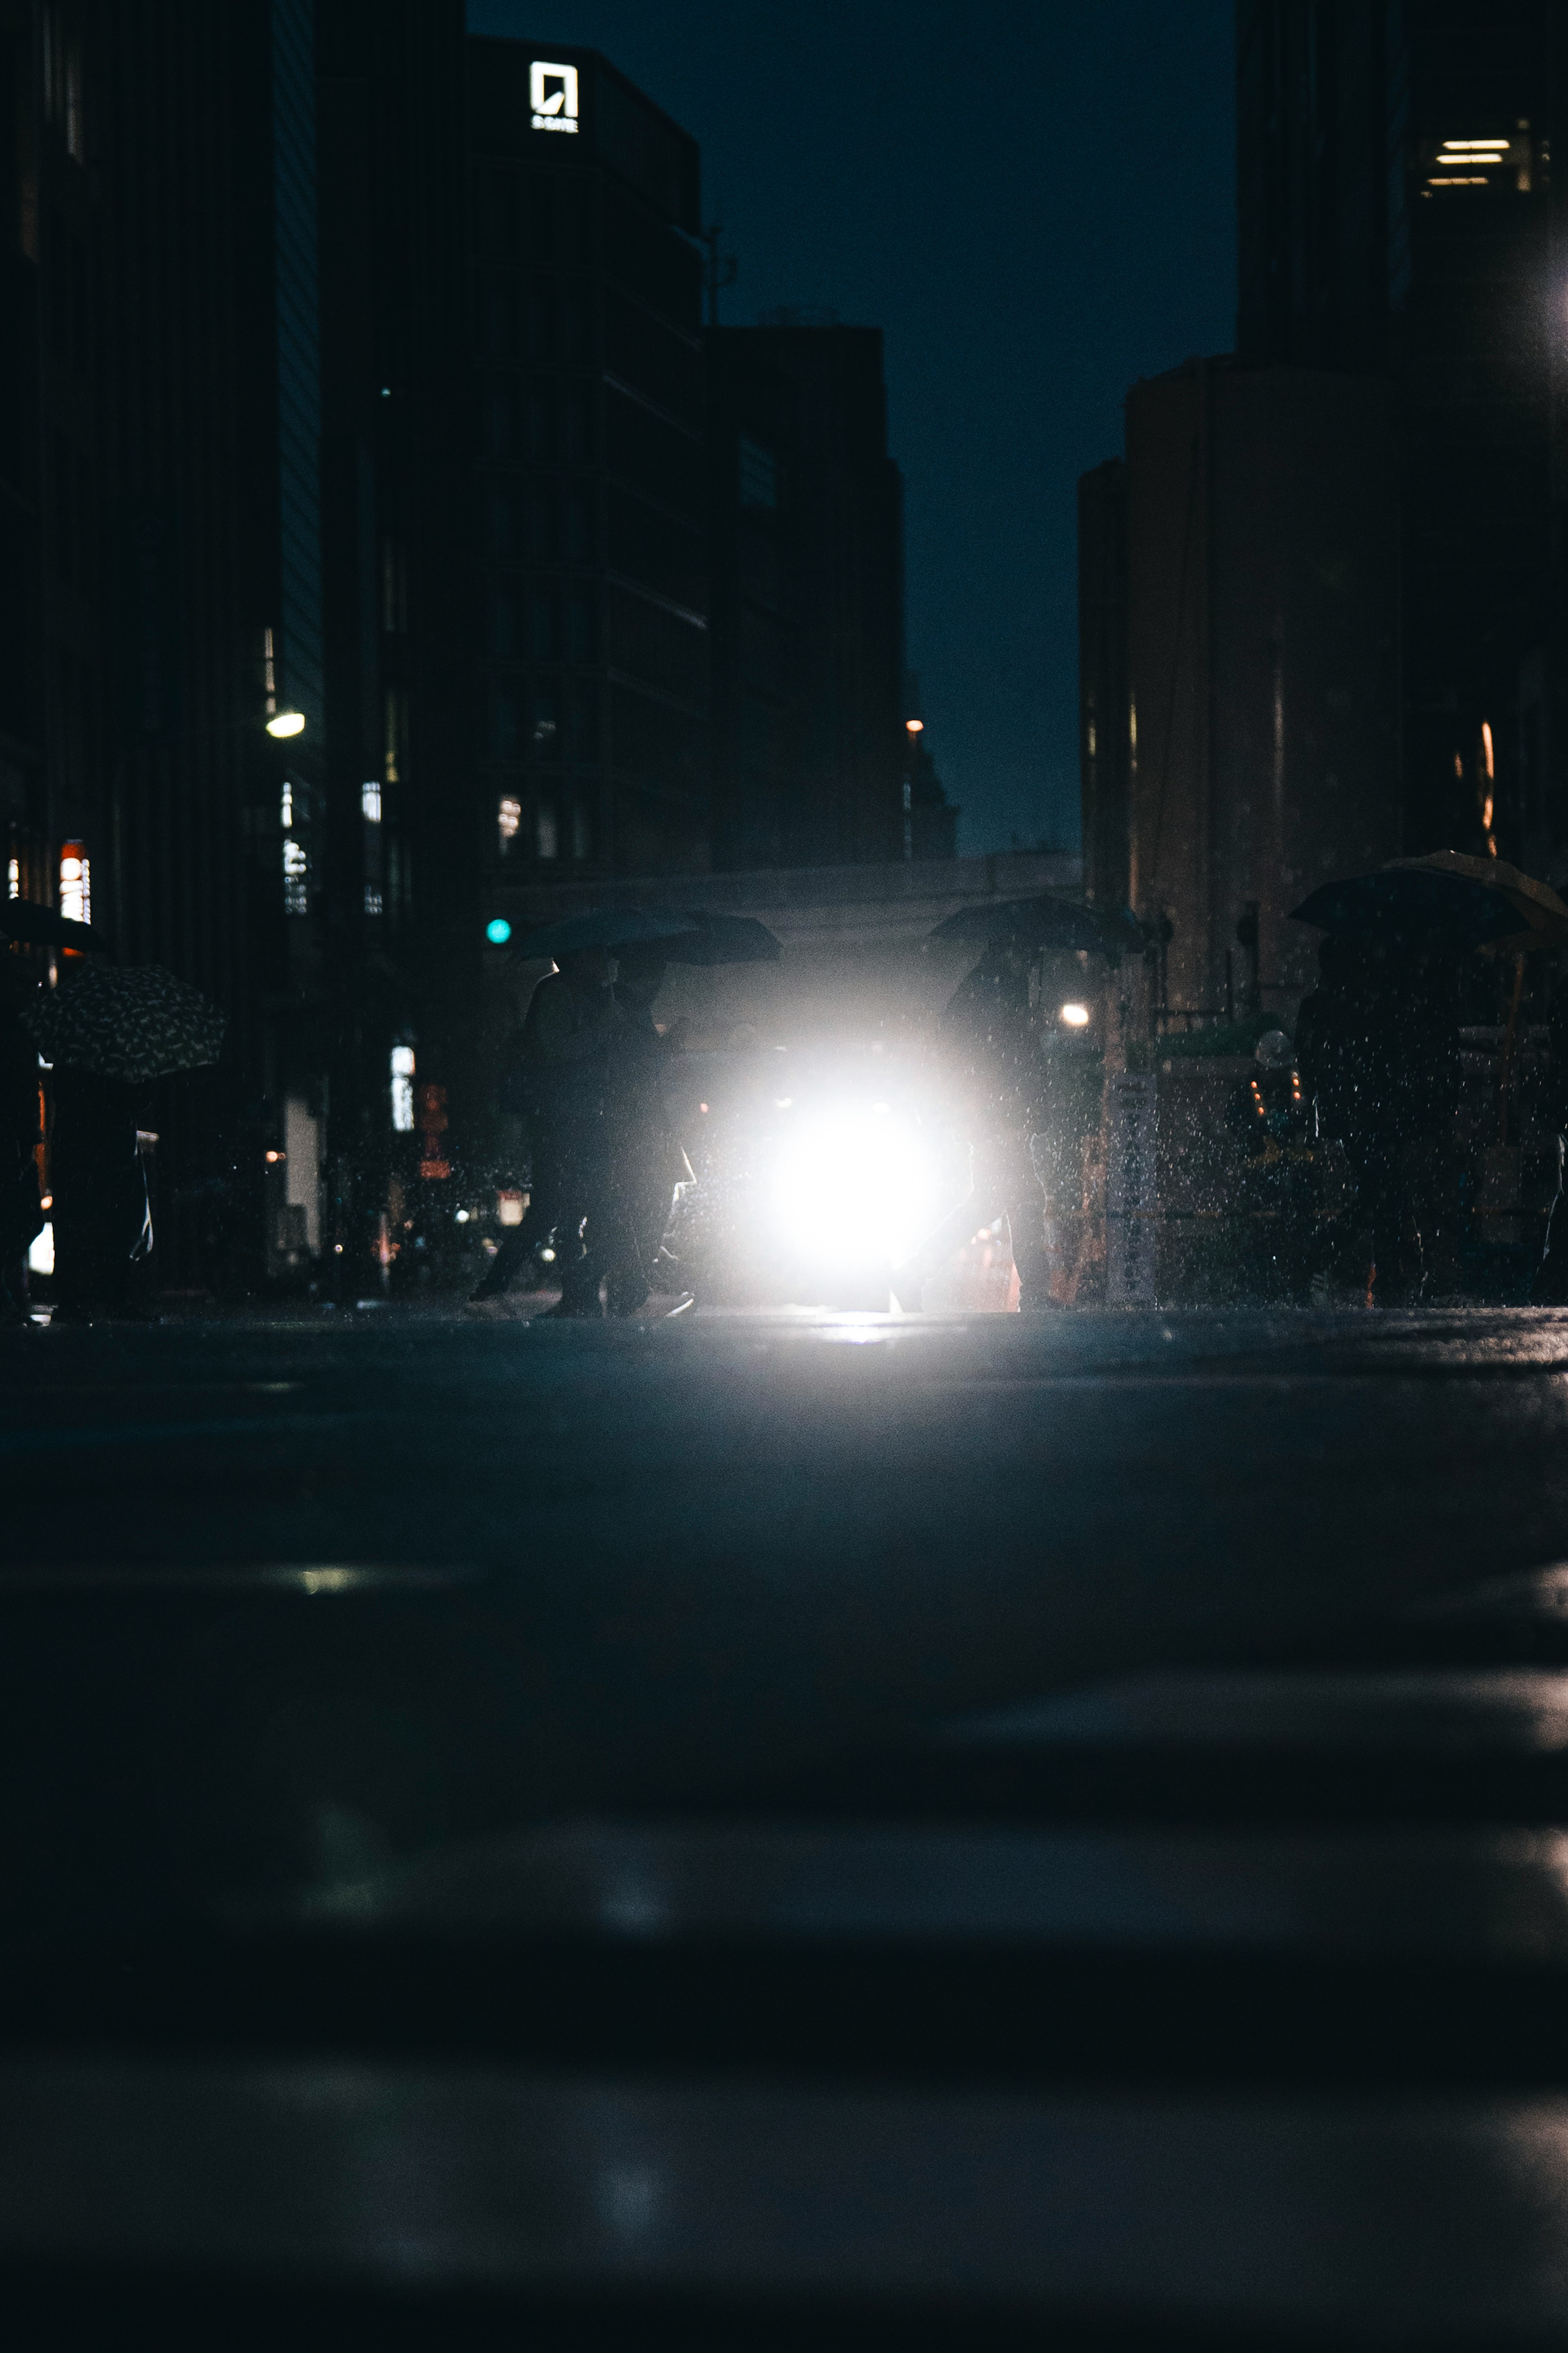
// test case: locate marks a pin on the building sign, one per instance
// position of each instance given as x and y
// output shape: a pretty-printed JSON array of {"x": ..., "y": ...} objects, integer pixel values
[
  {"x": 552, "y": 93},
  {"x": 1131, "y": 1200}
]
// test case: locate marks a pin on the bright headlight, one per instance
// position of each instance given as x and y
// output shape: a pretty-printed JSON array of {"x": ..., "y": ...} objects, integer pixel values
[{"x": 851, "y": 1185}]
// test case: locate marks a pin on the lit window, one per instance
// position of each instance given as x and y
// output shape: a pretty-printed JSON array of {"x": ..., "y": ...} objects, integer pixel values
[
  {"x": 509, "y": 820},
  {"x": 296, "y": 864},
  {"x": 14, "y": 879},
  {"x": 402, "y": 1090},
  {"x": 759, "y": 475},
  {"x": 1498, "y": 161},
  {"x": 547, "y": 839},
  {"x": 370, "y": 801},
  {"x": 76, "y": 883},
  {"x": 373, "y": 905},
  {"x": 397, "y": 734}
]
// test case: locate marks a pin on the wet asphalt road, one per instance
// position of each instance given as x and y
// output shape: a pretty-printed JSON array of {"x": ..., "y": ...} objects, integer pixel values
[
  {"x": 786, "y": 1831},
  {"x": 653, "y": 1557}
]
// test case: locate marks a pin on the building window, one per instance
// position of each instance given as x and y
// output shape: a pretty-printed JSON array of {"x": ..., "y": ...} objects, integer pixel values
[
  {"x": 546, "y": 835},
  {"x": 296, "y": 864},
  {"x": 543, "y": 632},
  {"x": 579, "y": 429},
  {"x": 579, "y": 526},
  {"x": 76, "y": 883},
  {"x": 372, "y": 899},
  {"x": 580, "y": 626},
  {"x": 509, "y": 820},
  {"x": 62, "y": 84},
  {"x": 396, "y": 735},
  {"x": 394, "y": 588},
  {"x": 402, "y": 1090},
  {"x": 759, "y": 475},
  {"x": 546, "y": 726},
  {"x": 504, "y": 420},
  {"x": 583, "y": 723},
  {"x": 370, "y": 801},
  {"x": 506, "y": 523},
  {"x": 1494, "y": 161}
]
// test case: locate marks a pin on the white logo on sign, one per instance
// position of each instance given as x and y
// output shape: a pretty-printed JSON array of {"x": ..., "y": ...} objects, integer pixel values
[{"x": 552, "y": 94}]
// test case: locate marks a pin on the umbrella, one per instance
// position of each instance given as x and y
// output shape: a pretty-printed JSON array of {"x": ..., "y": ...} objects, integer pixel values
[
  {"x": 1043, "y": 922},
  {"x": 1444, "y": 900},
  {"x": 598, "y": 927},
  {"x": 23, "y": 919},
  {"x": 721, "y": 939},
  {"x": 125, "y": 1021}
]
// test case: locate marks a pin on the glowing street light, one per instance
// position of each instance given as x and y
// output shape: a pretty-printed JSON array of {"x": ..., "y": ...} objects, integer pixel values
[
  {"x": 286, "y": 722},
  {"x": 1076, "y": 1016}
]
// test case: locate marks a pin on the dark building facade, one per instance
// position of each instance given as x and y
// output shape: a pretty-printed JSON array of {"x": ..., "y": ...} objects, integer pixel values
[
  {"x": 398, "y": 839},
  {"x": 1104, "y": 707},
  {"x": 197, "y": 506},
  {"x": 1397, "y": 214},
  {"x": 589, "y": 379},
  {"x": 810, "y": 754},
  {"x": 234, "y": 481}
]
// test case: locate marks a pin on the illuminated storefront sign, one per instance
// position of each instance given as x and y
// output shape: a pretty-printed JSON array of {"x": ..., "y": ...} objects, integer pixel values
[{"x": 552, "y": 94}]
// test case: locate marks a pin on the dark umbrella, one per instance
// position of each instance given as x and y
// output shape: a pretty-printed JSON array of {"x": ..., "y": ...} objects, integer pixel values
[
  {"x": 1043, "y": 922},
  {"x": 723, "y": 939},
  {"x": 41, "y": 927},
  {"x": 133, "y": 1022},
  {"x": 598, "y": 927},
  {"x": 1442, "y": 900}
]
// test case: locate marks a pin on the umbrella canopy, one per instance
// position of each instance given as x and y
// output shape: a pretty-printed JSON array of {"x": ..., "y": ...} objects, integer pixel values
[
  {"x": 1445, "y": 900},
  {"x": 25, "y": 920},
  {"x": 1043, "y": 922},
  {"x": 721, "y": 939},
  {"x": 134, "y": 1022},
  {"x": 598, "y": 927}
]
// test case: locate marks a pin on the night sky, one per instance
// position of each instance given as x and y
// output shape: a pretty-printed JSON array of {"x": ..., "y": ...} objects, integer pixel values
[{"x": 1036, "y": 204}]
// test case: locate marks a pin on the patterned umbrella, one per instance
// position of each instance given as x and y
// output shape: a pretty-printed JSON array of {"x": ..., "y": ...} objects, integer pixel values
[{"x": 124, "y": 1021}]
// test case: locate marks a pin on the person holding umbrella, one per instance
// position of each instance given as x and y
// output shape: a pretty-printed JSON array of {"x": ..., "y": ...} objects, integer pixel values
[
  {"x": 21, "y": 1210},
  {"x": 1022, "y": 1110},
  {"x": 652, "y": 1158},
  {"x": 570, "y": 1083},
  {"x": 106, "y": 1030},
  {"x": 1378, "y": 1043}
]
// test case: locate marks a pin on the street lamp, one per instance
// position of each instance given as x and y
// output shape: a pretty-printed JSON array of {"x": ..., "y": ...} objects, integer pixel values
[
  {"x": 912, "y": 727},
  {"x": 286, "y": 722}
]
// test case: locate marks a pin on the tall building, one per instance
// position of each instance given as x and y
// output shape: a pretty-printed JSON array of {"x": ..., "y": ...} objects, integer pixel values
[
  {"x": 591, "y": 483},
  {"x": 49, "y": 569},
  {"x": 198, "y": 135},
  {"x": 1397, "y": 214},
  {"x": 1261, "y": 715},
  {"x": 809, "y": 747},
  {"x": 398, "y": 839}
]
